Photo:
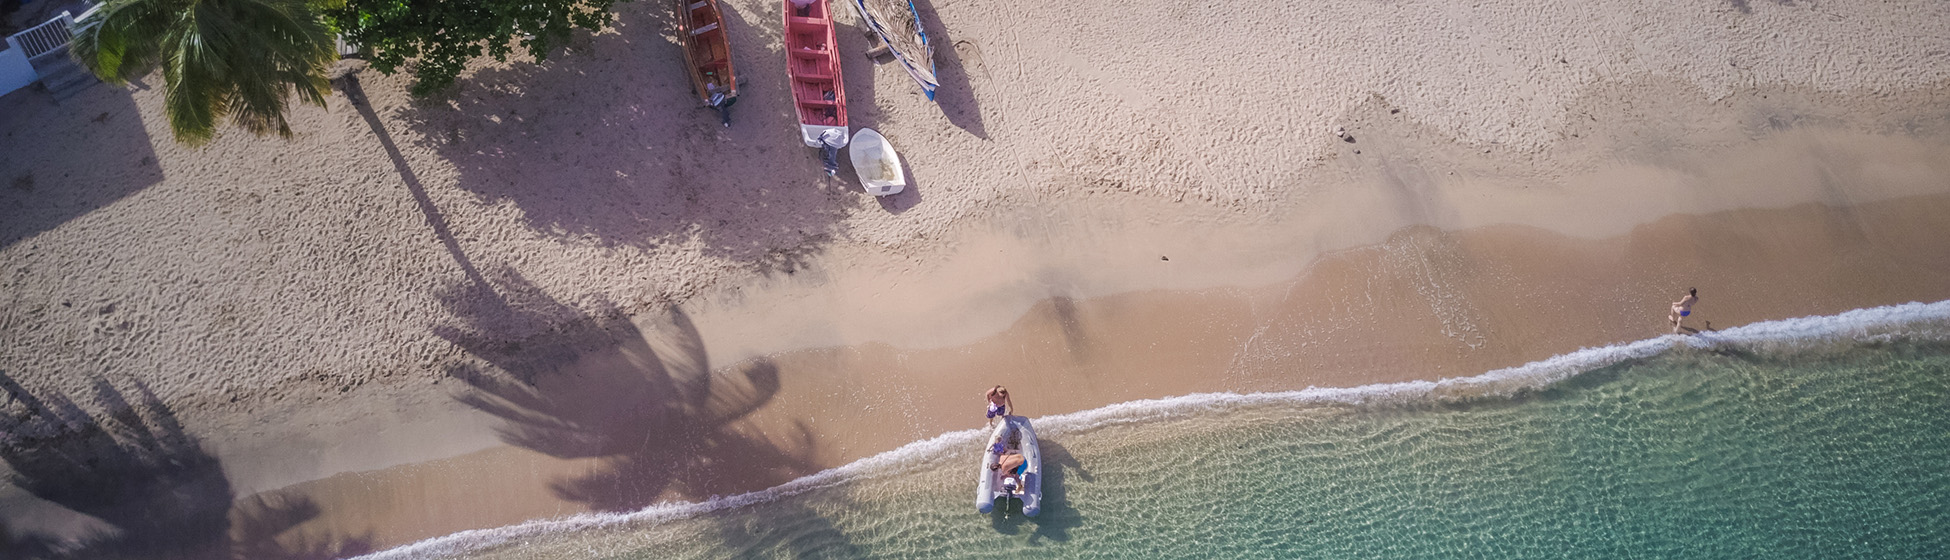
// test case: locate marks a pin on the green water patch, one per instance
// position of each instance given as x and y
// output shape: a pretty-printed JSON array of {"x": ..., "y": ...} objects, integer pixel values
[{"x": 1836, "y": 453}]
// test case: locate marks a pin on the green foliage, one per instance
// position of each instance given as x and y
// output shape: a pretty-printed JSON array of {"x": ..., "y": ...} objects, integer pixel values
[
  {"x": 442, "y": 35},
  {"x": 241, "y": 59}
]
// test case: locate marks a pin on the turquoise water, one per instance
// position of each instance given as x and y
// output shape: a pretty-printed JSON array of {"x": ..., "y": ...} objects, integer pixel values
[{"x": 1837, "y": 449}]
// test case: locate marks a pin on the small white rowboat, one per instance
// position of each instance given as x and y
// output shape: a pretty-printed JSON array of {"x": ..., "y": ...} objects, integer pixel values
[{"x": 874, "y": 159}]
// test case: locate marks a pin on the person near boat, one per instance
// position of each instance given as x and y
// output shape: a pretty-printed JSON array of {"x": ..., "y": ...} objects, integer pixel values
[
  {"x": 1009, "y": 461},
  {"x": 721, "y": 102},
  {"x": 999, "y": 403}
]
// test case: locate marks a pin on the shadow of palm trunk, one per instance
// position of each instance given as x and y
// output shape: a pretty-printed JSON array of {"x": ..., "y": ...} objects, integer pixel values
[
  {"x": 356, "y": 94},
  {"x": 640, "y": 395}
]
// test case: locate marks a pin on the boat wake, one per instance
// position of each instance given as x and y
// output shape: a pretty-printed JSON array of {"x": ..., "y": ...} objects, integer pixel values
[{"x": 1912, "y": 321}]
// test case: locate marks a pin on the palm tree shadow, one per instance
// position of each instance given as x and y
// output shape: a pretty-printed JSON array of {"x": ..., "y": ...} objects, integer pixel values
[
  {"x": 356, "y": 94},
  {"x": 638, "y": 394},
  {"x": 128, "y": 463},
  {"x": 257, "y": 522},
  {"x": 1057, "y": 518}
]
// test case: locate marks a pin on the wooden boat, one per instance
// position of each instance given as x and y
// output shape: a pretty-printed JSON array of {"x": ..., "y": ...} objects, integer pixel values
[
  {"x": 707, "y": 54},
  {"x": 812, "y": 63},
  {"x": 898, "y": 25},
  {"x": 993, "y": 486},
  {"x": 876, "y": 162}
]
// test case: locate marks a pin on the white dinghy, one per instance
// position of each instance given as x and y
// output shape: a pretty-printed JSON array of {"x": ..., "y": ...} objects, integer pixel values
[
  {"x": 877, "y": 163},
  {"x": 1013, "y": 435}
]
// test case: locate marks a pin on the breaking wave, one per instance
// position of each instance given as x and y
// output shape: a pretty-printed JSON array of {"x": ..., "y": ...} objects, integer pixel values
[{"x": 1912, "y": 321}]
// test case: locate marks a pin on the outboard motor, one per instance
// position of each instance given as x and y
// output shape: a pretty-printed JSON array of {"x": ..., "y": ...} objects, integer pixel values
[{"x": 832, "y": 140}]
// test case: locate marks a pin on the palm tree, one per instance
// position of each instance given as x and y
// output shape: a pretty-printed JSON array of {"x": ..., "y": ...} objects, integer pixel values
[{"x": 241, "y": 59}]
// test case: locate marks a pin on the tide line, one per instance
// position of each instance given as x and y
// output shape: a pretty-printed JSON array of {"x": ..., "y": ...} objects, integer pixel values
[{"x": 1913, "y": 321}]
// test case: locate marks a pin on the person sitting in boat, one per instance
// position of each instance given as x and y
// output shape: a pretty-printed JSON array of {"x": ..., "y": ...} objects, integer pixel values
[
  {"x": 802, "y": 8},
  {"x": 1011, "y": 462},
  {"x": 1011, "y": 465},
  {"x": 1014, "y": 442},
  {"x": 999, "y": 403}
]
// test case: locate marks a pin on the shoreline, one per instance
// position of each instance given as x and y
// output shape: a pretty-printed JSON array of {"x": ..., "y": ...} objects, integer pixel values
[
  {"x": 998, "y": 268},
  {"x": 1505, "y": 382},
  {"x": 1068, "y": 355},
  {"x": 320, "y": 317}
]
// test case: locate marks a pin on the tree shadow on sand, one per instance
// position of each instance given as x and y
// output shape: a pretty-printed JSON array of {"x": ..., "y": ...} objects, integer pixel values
[
  {"x": 151, "y": 489},
  {"x": 101, "y": 154},
  {"x": 1057, "y": 518},
  {"x": 605, "y": 144},
  {"x": 642, "y": 399}
]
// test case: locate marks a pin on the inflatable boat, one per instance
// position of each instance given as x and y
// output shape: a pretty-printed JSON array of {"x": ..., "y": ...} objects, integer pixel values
[{"x": 996, "y": 486}]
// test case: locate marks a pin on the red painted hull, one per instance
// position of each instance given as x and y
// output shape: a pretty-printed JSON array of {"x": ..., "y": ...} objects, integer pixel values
[{"x": 813, "y": 65}]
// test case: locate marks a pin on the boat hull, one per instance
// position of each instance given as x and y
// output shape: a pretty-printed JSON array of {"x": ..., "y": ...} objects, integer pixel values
[
  {"x": 876, "y": 162},
  {"x": 898, "y": 24},
  {"x": 813, "y": 71},
  {"x": 989, "y": 489},
  {"x": 707, "y": 50}
]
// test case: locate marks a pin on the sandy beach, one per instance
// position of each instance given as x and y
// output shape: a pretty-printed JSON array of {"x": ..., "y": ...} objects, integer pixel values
[{"x": 562, "y": 288}]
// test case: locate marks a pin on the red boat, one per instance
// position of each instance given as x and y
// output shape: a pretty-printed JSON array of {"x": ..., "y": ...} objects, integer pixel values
[
  {"x": 813, "y": 63},
  {"x": 707, "y": 54}
]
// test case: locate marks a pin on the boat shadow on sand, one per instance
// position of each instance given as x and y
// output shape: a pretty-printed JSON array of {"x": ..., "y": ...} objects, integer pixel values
[
  {"x": 637, "y": 394},
  {"x": 129, "y": 482},
  {"x": 955, "y": 95},
  {"x": 862, "y": 100},
  {"x": 1057, "y": 517}
]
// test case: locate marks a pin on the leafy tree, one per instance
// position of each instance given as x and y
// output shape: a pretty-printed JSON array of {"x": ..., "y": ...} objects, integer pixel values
[
  {"x": 241, "y": 59},
  {"x": 442, "y": 35}
]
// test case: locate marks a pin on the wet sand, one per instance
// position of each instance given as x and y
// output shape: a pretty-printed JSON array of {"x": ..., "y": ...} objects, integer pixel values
[
  {"x": 548, "y": 292},
  {"x": 1425, "y": 304}
]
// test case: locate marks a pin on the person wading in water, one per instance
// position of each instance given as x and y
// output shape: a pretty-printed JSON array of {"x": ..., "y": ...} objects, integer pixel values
[
  {"x": 1682, "y": 308},
  {"x": 999, "y": 403}
]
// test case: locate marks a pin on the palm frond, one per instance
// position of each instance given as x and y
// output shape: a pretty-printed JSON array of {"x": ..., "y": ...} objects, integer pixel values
[{"x": 237, "y": 59}]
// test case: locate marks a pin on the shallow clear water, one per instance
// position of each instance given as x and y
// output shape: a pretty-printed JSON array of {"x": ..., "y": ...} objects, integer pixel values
[{"x": 1735, "y": 452}]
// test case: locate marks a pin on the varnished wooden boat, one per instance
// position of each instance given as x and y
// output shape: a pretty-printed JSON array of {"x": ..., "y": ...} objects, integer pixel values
[{"x": 707, "y": 54}]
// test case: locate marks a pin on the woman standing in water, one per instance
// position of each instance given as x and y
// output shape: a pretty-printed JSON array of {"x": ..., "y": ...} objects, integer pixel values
[{"x": 1682, "y": 308}]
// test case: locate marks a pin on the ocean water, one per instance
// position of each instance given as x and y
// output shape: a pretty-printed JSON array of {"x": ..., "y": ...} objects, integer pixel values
[{"x": 1824, "y": 437}]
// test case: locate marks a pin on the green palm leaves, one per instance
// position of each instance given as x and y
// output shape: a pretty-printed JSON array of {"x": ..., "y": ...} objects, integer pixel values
[{"x": 241, "y": 59}]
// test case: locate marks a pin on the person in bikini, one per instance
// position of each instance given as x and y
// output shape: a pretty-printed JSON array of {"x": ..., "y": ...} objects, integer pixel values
[
  {"x": 1683, "y": 308},
  {"x": 999, "y": 403}
]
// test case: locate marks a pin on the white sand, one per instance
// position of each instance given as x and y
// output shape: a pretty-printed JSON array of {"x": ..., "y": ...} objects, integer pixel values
[{"x": 290, "y": 295}]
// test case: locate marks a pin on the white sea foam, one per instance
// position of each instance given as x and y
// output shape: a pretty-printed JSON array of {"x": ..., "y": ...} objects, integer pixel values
[{"x": 1929, "y": 321}]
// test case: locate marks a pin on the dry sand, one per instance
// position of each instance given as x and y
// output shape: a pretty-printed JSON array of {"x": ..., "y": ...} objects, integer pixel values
[{"x": 1108, "y": 204}]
